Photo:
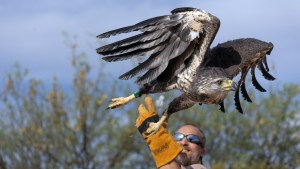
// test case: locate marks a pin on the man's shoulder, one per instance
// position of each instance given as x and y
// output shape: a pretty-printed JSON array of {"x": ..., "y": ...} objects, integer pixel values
[{"x": 194, "y": 166}]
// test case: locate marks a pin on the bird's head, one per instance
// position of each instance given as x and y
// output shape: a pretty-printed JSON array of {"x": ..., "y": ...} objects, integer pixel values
[
  {"x": 213, "y": 83},
  {"x": 222, "y": 84},
  {"x": 216, "y": 85}
]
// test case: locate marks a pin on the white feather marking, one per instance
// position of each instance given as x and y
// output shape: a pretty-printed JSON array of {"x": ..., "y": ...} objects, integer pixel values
[
  {"x": 160, "y": 101},
  {"x": 194, "y": 35}
]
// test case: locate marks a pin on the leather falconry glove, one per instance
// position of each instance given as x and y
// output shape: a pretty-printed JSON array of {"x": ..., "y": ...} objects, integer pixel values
[{"x": 162, "y": 145}]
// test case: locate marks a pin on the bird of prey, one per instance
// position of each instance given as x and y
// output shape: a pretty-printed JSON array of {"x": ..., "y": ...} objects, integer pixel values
[{"x": 179, "y": 57}]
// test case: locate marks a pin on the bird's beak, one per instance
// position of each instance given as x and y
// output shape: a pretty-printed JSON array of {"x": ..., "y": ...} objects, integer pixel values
[
  {"x": 230, "y": 85},
  {"x": 233, "y": 86}
]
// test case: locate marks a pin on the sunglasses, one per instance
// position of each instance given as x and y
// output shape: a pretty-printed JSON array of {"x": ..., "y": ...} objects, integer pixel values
[{"x": 190, "y": 137}]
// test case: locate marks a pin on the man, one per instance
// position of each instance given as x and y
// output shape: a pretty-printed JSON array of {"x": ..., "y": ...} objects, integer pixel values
[
  {"x": 182, "y": 150},
  {"x": 192, "y": 141}
]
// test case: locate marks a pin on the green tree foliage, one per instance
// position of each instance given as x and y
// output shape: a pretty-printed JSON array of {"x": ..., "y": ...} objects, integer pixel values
[
  {"x": 70, "y": 128},
  {"x": 53, "y": 128}
]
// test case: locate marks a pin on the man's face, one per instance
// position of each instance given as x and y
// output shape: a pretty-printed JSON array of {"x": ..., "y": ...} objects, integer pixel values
[{"x": 191, "y": 152}]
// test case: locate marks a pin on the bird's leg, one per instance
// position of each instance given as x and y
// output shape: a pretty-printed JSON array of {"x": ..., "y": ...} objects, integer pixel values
[
  {"x": 154, "y": 127},
  {"x": 180, "y": 103},
  {"x": 120, "y": 101},
  {"x": 145, "y": 89}
]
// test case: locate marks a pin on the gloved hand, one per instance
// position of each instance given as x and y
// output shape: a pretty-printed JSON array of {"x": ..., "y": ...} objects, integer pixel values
[{"x": 162, "y": 145}]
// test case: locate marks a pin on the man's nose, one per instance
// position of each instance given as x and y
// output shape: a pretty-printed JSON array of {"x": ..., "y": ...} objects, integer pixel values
[{"x": 184, "y": 141}]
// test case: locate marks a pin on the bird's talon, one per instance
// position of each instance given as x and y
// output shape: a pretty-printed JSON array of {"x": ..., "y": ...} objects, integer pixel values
[
  {"x": 152, "y": 129},
  {"x": 118, "y": 102}
]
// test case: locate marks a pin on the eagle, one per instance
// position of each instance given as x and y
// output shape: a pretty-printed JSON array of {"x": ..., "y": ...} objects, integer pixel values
[{"x": 179, "y": 56}]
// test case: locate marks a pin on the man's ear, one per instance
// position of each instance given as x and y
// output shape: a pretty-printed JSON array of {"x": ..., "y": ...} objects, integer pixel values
[{"x": 202, "y": 151}]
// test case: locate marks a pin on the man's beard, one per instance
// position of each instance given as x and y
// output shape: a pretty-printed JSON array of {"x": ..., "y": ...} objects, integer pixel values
[{"x": 183, "y": 160}]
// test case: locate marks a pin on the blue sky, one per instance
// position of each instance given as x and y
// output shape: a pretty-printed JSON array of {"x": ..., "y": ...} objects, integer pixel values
[{"x": 31, "y": 30}]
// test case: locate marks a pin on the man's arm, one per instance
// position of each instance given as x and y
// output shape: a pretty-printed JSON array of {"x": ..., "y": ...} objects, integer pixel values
[{"x": 171, "y": 165}]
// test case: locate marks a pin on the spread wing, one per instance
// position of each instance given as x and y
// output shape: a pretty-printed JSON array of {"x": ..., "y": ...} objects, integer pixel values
[
  {"x": 168, "y": 41},
  {"x": 242, "y": 56}
]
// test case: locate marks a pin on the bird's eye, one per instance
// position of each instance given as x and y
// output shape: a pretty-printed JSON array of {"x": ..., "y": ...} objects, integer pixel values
[{"x": 219, "y": 82}]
